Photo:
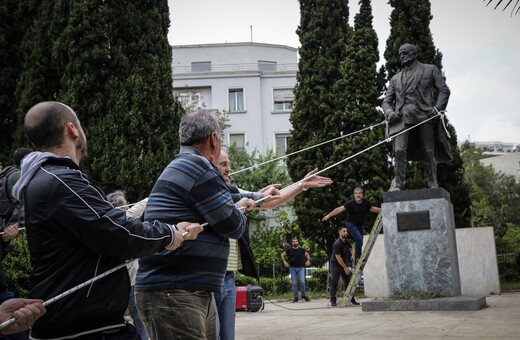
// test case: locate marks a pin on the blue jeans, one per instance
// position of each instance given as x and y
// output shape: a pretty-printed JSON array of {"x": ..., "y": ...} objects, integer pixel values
[
  {"x": 134, "y": 314},
  {"x": 226, "y": 307},
  {"x": 298, "y": 274},
  {"x": 357, "y": 234},
  {"x": 177, "y": 314}
]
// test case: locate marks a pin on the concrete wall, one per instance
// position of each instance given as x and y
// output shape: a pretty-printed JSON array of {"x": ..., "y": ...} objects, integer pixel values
[{"x": 478, "y": 265}]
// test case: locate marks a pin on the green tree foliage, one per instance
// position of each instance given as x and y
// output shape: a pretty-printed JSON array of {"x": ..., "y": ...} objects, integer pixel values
[
  {"x": 494, "y": 196},
  {"x": 336, "y": 93},
  {"x": 15, "y": 17},
  {"x": 323, "y": 34},
  {"x": 17, "y": 266},
  {"x": 410, "y": 23},
  {"x": 111, "y": 62},
  {"x": 258, "y": 177}
]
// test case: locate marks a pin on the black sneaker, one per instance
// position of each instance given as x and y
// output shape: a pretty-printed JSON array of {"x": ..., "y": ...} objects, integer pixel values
[
  {"x": 333, "y": 303},
  {"x": 354, "y": 301},
  {"x": 295, "y": 300},
  {"x": 305, "y": 298}
]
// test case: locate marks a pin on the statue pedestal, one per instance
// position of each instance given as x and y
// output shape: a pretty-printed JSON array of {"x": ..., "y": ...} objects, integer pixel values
[{"x": 420, "y": 244}]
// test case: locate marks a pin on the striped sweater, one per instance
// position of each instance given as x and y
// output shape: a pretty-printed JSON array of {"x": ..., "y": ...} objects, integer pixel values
[{"x": 191, "y": 189}]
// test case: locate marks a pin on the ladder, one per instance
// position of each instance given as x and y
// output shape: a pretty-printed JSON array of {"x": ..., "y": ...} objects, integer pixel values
[{"x": 358, "y": 272}]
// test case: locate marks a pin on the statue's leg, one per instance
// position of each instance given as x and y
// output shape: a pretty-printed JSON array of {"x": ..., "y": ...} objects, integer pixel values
[
  {"x": 400, "y": 149},
  {"x": 426, "y": 135}
]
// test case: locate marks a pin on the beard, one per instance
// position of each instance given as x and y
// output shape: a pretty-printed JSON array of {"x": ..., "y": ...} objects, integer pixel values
[{"x": 81, "y": 147}]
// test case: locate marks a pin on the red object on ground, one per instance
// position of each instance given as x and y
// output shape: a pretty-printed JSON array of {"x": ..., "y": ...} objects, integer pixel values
[{"x": 249, "y": 298}]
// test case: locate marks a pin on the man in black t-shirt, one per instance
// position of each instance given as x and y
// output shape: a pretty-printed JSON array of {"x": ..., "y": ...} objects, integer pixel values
[
  {"x": 342, "y": 254},
  {"x": 298, "y": 258},
  {"x": 358, "y": 210}
]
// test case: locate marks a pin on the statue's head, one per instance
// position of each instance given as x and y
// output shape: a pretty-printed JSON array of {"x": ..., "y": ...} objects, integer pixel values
[{"x": 407, "y": 54}]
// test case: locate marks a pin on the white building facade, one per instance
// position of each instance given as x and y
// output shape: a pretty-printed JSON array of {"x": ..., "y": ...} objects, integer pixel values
[{"x": 252, "y": 83}]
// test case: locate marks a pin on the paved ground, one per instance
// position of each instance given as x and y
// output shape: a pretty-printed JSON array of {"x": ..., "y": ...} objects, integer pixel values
[{"x": 316, "y": 320}]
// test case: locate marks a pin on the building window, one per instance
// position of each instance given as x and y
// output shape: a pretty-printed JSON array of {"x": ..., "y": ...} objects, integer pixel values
[
  {"x": 239, "y": 139},
  {"x": 281, "y": 141},
  {"x": 266, "y": 65},
  {"x": 201, "y": 66},
  {"x": 190, "y": 100},
  {"x": 236, "y": 100},
  {"x": 283, "y": 100}
]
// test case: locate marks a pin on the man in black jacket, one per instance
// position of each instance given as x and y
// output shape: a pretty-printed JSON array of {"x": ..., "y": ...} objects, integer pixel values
[{"x": 75, "y": 234}]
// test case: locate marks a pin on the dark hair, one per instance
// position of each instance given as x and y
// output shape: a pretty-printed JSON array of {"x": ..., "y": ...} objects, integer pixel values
[
  {"x": 19, "y": 154},
  {"x": 44, "y": 124},
  {"x": 339, "y": 228},
  {"x": 196, "y": 126}
]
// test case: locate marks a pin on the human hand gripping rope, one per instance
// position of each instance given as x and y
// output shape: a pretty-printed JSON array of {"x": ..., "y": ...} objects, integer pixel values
[
  {"x": 108, "y": 272},
  {"x": 184, "y": 234},
  {"x": 309, "y": 176}
]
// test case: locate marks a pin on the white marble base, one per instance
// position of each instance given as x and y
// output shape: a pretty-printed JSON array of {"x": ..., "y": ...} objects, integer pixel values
[{"x": 478, "y": 265}]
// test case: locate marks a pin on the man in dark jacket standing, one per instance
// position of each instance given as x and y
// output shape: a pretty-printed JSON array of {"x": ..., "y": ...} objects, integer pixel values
[
  {"x": 75, "y": 234},
  {"x": 409, "y": 101}
]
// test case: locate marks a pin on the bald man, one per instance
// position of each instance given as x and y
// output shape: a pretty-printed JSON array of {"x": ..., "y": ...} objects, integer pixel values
[{"x": 74, "y": 233}]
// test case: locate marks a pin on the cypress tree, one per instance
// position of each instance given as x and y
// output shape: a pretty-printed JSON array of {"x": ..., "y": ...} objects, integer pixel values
[
  {"x": 15, "y": 18},
  {"x": 410, "y": 23},
  {"x": 323, "y": 34},
  {"x": 111, "y": 62},
  {"x": 357, "y": 91}
]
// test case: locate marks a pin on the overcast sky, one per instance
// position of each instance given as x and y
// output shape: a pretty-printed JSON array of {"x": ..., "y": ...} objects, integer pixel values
[{"x": 481, "y": 49}]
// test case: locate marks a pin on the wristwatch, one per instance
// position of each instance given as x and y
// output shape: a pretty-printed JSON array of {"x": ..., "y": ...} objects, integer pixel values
[{"x": 302, "y": 186}]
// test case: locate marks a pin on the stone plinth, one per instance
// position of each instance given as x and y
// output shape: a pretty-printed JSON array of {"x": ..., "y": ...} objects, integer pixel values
[
  {"x": 420, "y": 244},
  {"x": 452, "y": 303}
]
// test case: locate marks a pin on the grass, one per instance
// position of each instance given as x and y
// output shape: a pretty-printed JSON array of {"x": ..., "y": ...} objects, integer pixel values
[{"x": 509, "y": 286}]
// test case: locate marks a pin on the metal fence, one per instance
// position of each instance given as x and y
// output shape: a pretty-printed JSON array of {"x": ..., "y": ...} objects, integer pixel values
[
  {"x": 277, "y": 269},
  {"x": 508, "y": 258}
]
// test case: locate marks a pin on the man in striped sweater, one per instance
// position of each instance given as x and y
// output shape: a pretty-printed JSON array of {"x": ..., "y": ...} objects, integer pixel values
[{"x": 173, "y": 288}]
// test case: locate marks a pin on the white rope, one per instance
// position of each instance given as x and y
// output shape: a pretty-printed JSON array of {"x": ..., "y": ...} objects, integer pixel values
[
  {"x": 305, "y": 149},
  {"x": 367, "y": 149},
  {"x": 108, "y": 272},
  {"x": 19, "y": 229},
  {"x": 72, "y": 290},
  {"x": 100, "y": 276}
]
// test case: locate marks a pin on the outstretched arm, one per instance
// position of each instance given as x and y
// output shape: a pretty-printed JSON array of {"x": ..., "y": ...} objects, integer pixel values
[
  {"x": 286, "y": 194},
  {"x": 334, "y": 212},
  {"x": 375, "y": 209}
]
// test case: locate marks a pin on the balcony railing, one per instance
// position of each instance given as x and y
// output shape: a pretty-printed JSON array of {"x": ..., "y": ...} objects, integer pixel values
[{"x": 223, "y": 68}]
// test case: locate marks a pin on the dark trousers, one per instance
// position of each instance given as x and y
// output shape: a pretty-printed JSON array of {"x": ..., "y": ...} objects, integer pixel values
[
  {"x": 335, "y": 272},
  {"x": 425, "y": 133}
]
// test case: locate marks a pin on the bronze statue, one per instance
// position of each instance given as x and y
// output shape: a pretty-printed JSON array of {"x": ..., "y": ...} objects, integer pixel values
[{"x": 409, "y": 101}]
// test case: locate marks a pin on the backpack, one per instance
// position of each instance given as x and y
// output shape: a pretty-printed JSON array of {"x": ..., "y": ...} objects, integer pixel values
[{"x": 6, "y": 208}]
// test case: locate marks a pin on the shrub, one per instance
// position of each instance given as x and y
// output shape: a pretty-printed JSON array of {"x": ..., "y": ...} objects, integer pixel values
[
  {"x": 17, "y": 266},
  {"x": 316, "y": 285},
  {"x": 318, "y": 280},
  {"x": 242, "y": 280},
  {"x": 279, "y": 285}
]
